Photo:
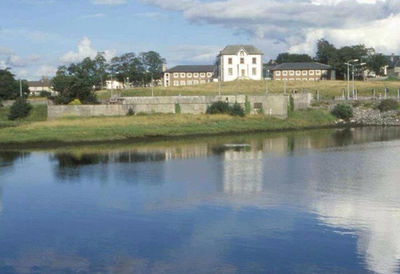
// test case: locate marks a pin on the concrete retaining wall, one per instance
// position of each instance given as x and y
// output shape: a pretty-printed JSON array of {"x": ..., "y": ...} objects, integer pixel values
[
  {"x": 272, "y": 105},
  {"x": 302, "y": 100}
]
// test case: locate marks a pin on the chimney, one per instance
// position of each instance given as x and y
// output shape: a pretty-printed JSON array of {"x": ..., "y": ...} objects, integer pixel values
[{"x": 164, "y": 67}]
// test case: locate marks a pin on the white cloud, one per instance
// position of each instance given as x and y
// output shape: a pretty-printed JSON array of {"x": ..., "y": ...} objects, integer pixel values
[
  {"x": 189, "y": 54},
  {"x": 296, "y": 25},
  {"x": 18, "y": 61},
  {"x": 84, "y": 50},
  {"x": 108, "y": 2}
]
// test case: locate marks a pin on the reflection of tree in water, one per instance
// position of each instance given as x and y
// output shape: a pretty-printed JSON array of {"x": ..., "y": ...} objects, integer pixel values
[
  {"x": 7, "y": 158},
  {"x": 343, "y": 137},
  {"x": 72, "y": 165}
]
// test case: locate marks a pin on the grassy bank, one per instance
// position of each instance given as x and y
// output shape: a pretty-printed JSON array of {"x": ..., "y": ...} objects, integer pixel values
[
  {"x": 102, "y": 129},
  {"x": 328, "y": 89},
  {"x": 38, "y": 113}
]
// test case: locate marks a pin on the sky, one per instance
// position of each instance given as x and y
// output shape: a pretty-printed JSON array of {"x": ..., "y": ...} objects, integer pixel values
[{"x": 37, "y": 36}]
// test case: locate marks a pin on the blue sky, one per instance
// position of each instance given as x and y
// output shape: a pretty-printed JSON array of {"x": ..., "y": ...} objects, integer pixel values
[{"x": 36, "y": 36}]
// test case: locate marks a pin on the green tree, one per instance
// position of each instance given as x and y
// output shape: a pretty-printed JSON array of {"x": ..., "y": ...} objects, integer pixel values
[
  {"x": 376, "y": 62},
  {"x": 127, "y": 66},
  {"x": 77, "y": 81},
  {"x": 293, "y": 58},
  {"x": 326, "y": 53},
  {"x": 9, "y": 87},
  {"x": 152, "y": 63}
]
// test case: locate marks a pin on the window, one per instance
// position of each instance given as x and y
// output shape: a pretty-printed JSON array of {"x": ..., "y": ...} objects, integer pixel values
[
  {"x": 254, "y": 71},
  {"x": 230, "y": 71},
  {"x": 176, "y": 83},
  {"x": 230, "y": 61},
  {"x": 284, "y": 79},
  {"x": 277, "y": 73},
  {"x": 305, "y": 79},
  {"x": 189, "y": 82},
  {"x": 291, "y": 79},
  {"x": 298, "y": 79},
  {"x": 195, "y": 75},
  {"x": 176, "y": 75},
  {"x": 304, "y": 72},
  {"x": 196, "y": 82},
  {"x": 202, "y": 75},
  {"x": 183, "y": 75},
  {"x": 311, "y": 72},
  {"x": 189, "y": 75},
  {"x": 284, "y": 73},
  {"x": 202, "y": 81},
  {"x": 254, "y": 61},
  {"x": 183, "y": 83},
  {"x": 318, "y": 72},
  {"x": 291, "y": 72},
  {"x": 167, "y": 76},
  {"x": 209, "y": 74},
  {"x": 241, "y": 60},
  {"x": 298, "y": 72}
]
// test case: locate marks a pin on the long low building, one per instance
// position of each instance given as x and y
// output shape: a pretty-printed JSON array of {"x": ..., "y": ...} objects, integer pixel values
[
  {"x": 189, "y": 75},
  {"x": 305, "y": 71}
]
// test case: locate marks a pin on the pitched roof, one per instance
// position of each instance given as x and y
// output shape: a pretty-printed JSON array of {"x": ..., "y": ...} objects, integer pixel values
[
  {"x": 234, "y": 49},
  {"x": 193, "y": 68},
  {"x": 300, "y": 66},
  {"x": 40, "y": 83}
]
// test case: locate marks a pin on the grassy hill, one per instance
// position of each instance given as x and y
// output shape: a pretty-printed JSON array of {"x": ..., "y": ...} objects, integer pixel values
[{"x": 327, "y": 89}]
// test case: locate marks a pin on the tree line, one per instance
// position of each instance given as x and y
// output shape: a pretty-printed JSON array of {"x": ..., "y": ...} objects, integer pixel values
[
  {"x": 80, "y": 80},
  {"x": 328, "y": 54}
]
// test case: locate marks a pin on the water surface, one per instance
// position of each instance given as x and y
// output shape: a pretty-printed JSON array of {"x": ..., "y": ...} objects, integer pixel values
[{"x": 318, "y": 201}]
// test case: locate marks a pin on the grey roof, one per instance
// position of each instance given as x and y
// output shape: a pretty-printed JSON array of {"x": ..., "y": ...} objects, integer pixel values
[
  {"x": 301, "y": 65},
  {"x": 234, "y": 49},
  {"x": 193, "y": 68}
]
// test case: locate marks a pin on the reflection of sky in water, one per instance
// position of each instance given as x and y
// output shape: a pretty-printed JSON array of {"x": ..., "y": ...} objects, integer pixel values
[{"x": 295, "y": 202}]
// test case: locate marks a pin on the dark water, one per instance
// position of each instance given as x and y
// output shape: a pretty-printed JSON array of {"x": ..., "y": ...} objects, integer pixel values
[{"x": 309, "y": 202}]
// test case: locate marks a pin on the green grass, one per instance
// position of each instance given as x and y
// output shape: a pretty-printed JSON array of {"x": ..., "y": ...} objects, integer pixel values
[
  {"x": 327, "y": 89},
  {"x": 158, "y": 125},
  {"x": 38, "y": 113}
]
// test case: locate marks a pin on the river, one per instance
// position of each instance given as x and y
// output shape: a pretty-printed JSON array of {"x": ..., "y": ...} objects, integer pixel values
[{"x": 321, "y": 201}]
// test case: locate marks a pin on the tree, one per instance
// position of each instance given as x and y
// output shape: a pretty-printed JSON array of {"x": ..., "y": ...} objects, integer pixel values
[
  {"x": 293, "y": 58},
  {"x": 20, "y": 109},
  {"x": 326, "y": 53},
  {"x": 9, "y": 87},
  {"x": 127, "y": 66},
  {"x": 77, "y": 81},
  {"x": 376, "y": 62},
  {"x": 152, "y": 63}
]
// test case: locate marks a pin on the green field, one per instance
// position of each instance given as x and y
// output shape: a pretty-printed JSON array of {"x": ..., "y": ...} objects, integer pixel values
[
  {"x": 38, "y": 113},
  {"x": 102, "y": 129},
  {"x": 327, "y": 89}
]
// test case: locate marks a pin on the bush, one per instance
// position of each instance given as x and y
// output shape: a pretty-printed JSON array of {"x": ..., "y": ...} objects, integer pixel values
[
  {"x": 237, "y": 110},
  {"x": 224, "y": 108},
  {"x": 44, "y": 93},
  {"x": 388, "y": 104},
  {"x": 20, "y": 109},
  {"x": 218, "y": 108},
  {"x": 343, "y": 111},
  {"x": 177, "y": 108},
  {"x": 130, "y": 112},
  {"x": 75, "y": 102},
  {"x": 247, "y": 106},
  {"x": 291, "y": 104}
]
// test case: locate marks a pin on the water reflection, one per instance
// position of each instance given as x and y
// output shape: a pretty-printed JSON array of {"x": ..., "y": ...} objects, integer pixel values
[{"x": 190, "y": 205}]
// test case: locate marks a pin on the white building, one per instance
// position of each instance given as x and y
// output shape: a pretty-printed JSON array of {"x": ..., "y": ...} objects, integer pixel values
[
  {"x": 114, "y": 84},
  {"x": 240, "y": 62}
]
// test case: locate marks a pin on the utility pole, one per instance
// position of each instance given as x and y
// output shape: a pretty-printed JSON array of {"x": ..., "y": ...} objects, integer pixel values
[
  {"x": 353, "y": 80},
  {"x": 348, "y": 80},
  {"x": 20, "y": 88},
  {"x": 152, "y": 85}
]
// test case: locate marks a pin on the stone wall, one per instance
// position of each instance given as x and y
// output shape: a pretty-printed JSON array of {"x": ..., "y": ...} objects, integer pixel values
[
  {"x": 302, "y": 100},
  {"x": 272, "y": 105}
]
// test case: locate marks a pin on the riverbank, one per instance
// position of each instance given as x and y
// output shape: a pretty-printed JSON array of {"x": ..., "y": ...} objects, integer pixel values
[{"x": 107, "y": 129}]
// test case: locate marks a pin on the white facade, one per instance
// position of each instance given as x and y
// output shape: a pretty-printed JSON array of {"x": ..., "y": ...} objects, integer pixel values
[
  {"x": 240, "y": 65},
  {"x": 114, "y": 84}
]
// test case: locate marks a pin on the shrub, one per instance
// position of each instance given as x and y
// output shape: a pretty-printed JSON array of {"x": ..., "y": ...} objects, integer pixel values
[
  {"x": 44, "y": 93},
  {"x": 75, "y": 102},
  {"x": 237, "y": 110},
  {"x": 177, "y": 108},
  {"x": 247, "y": 106},
  {"x": 388, "y": 104},
  {"x": 343, "y": 111},
  {"x": 291, "y": 104},
  {"x": 130, "y": 112},
  {"x": 218, "y": 108},
  {"x": 20, "y": 109},
  {"x": 224, "y": 108}
]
